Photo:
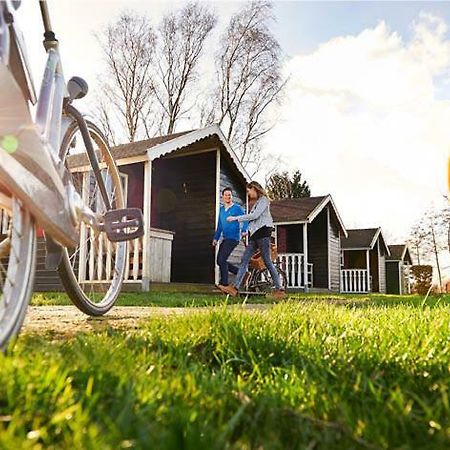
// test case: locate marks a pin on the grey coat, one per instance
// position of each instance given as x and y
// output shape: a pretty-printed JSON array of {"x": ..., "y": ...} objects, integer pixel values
[{"x": 259, "y": 216}]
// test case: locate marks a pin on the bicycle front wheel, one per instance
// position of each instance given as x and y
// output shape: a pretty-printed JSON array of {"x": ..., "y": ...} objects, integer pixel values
[
  {"x": 17, "y": 266},
  {"x": 92, "y": 274}
]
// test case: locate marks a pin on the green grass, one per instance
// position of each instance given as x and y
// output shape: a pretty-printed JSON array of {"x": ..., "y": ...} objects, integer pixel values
[
  {"x": 162, "y": 299},
  {"x": 179, "y": 299},
  {"x": 365, "y": 373}
]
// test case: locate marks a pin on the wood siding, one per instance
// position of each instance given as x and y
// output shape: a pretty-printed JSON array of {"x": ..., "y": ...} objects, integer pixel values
[
  {"x": 392, "y": 277},
  {"x": 290, "y": 238},
  {"x": 334, "y": 249},
  {"x": 229, "y": 178},
  {"x": 135, "y": 190},
  {"x": 382, "y": 282},
  {"x": 183, "y": 201},
  {"x": 318, "y": 250}
]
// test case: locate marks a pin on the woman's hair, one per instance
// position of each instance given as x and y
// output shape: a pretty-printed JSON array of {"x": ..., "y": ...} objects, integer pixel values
[{"x": 260, "y": 191}]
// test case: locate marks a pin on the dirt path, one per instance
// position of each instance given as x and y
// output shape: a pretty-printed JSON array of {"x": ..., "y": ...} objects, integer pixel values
[{"x": 68, "y": 320}]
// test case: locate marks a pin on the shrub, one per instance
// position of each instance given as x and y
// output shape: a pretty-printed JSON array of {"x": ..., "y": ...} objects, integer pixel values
[{"x": 423, "y": 277}]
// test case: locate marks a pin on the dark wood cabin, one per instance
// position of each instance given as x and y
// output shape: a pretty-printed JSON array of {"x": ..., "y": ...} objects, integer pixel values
[
  {"x": 398, "y": 270},
  {"x": 177, "y": 181},
  {"x": 363, "y": 267},
  {"x": 308, "y": 232}
]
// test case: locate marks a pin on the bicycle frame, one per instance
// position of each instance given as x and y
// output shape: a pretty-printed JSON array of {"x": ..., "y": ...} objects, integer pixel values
[{"x": 32, "y": 172}]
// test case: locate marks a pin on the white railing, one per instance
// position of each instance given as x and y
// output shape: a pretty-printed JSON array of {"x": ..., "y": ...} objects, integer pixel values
[
  {"x": 98, "y": 254},
  {"x": 355, "y": 281},
  {"x": 292, "y": 264}
]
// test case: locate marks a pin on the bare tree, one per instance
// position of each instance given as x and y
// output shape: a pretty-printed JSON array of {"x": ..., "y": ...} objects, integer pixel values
[
  {"x": 129, "y": 46},
  {"x": 435, "y": 245},
  {"x": 249, "y": 79},
  {"x": 181, "y": 38},
  {"x": 417, "y": 240}
]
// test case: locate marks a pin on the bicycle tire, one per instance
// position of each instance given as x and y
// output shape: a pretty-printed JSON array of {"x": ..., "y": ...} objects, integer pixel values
[
  {"x": 93, "y": 297},
  {"x": 17, "y": 270}
]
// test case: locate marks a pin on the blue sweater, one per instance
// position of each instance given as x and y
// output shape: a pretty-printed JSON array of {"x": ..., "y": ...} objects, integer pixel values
[{"x": 230, "y": 230}]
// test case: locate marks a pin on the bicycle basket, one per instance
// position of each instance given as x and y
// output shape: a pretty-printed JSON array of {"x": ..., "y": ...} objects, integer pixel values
[{"x": 257, "y": 262}]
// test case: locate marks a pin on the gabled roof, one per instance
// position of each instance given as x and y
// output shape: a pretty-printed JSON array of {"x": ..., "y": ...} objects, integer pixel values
[
  {"x": 399, "y": 253},
  {"x": 139, "y": 148},
  {"x": 159, "y": 146},
  {"x": 363, "y": 239},
  {"x": 302, "y": 210}
]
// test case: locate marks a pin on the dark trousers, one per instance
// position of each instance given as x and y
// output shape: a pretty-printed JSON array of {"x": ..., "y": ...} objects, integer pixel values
[{"x": 225, "y": 250}]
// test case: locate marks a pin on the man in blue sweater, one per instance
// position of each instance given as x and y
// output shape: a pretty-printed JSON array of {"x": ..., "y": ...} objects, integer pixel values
[{"x": 231, "y": 233}]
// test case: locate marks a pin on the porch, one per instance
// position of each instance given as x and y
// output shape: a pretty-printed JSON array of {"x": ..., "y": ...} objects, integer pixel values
[
  {"x": 297, "y": 275},
  {"x": 357, "y": 281}
]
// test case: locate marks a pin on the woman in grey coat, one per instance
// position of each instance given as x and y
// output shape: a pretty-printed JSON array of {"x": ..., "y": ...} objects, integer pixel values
[{"x": 260, "y": 225}]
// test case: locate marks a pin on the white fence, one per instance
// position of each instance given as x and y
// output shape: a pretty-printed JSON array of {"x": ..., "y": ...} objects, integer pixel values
[
  {"x": 292, "y": 264},
  {"x": 97, "y": 256},
  {"x": 355, "y": 281}
]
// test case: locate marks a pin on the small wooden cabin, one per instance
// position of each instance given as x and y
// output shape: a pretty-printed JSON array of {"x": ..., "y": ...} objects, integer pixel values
[
  {"x": 398, "y": 266},
  {"x": 308, "y": 232},
  {"x": 363, "y": 267},
  {"x": 177, "y": 181}
]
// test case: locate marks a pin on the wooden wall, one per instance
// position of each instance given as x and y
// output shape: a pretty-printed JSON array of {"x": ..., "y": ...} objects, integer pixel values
[
  {"x": 290, "y": 238},
  {"x": 355, "y": 259},
  {"x": 135, "y": 172},
  {"x": 382, "y": 269},
  {"x": 334, "y": 250},
  {"x": 184, "y": 201},
  {"x": 375, "y": 269},
  {"x": 392, "y": 280},
  {"x": 318, "y": 249}
]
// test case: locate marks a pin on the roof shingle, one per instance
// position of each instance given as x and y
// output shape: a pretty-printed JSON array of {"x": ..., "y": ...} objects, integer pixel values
[
  {"x": 294, "y": 209},
  {"x": 360, "y": 238}
]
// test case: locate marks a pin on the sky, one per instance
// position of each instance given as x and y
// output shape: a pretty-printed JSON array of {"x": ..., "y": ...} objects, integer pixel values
[{"x": 366, "y": 113}]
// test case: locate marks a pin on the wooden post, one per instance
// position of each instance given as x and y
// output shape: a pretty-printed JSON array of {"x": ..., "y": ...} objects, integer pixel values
[
  {"x": 146, "y": 269},
  {"x": 305, "y": 255},
  {"x": 369, "y": 287},
  {"x": 216, "y": 267},
  {"x": 400, "y": 278}
]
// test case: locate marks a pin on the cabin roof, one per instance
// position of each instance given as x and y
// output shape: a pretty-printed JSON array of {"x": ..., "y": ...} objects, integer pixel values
[
  {"x": 159, "y": 146},
  {"x": 399, "y": 252},
  {"x": 141, "y": 147},
  {"x": 363, "y": 239},
  {"x": 304, "y": 209}
]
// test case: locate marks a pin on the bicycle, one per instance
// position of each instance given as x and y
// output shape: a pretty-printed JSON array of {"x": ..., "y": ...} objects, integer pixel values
[
  {"x": 79, "y": 212},
  {"x": 260, "y": 280}
]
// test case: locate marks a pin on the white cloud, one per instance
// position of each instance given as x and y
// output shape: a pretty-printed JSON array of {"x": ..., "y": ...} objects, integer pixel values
[{"x": 362, "y": 119}]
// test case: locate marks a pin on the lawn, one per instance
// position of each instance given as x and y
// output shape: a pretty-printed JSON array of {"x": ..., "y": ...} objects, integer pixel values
[{"x": 311, "y": 373}]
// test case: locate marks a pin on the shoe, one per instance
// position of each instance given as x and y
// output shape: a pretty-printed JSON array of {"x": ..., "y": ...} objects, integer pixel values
[
  {"x": 229, "y": 290},
  {"x": 277, "y": 295}
]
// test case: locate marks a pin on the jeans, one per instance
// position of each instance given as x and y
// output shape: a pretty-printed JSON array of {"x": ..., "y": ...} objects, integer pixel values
[
  {"x": 264, "y": 245},
  {"x": 225, "y": 250}
]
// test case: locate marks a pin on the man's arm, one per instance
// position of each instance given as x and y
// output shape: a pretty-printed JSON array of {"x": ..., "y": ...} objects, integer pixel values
[{"x": 219, "y": 230}]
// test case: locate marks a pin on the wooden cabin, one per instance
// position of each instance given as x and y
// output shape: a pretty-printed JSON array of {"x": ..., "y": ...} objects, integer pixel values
[
  {"x": 398, "y": 266},
  {"x": 308, "y": 233},
  {"x": 363, "y": 268},
  {"x": 177, "y": 181}
]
